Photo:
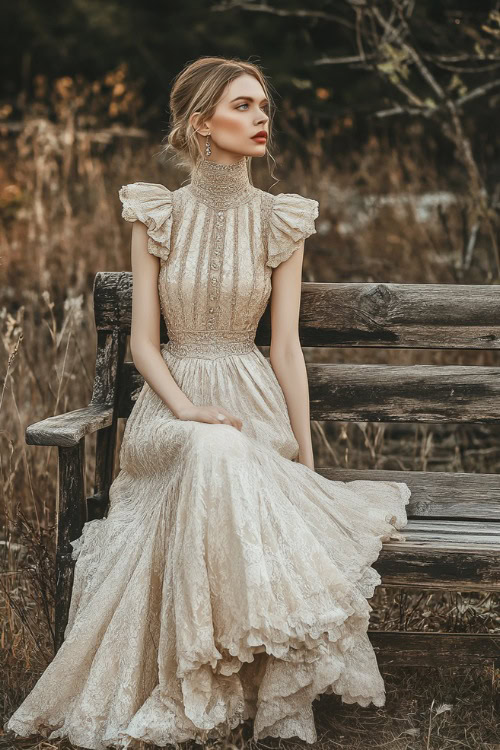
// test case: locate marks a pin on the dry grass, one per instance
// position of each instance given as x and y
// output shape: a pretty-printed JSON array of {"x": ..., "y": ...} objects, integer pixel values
[{"x": 60, "y": 225}]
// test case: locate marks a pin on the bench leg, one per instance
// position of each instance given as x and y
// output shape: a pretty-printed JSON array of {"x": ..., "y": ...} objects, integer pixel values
[
  {"x": 71, "y": 515},
  {"x": 98, "y": 503}
]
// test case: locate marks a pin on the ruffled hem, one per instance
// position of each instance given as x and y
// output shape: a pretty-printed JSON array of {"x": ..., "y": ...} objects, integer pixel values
[
  {"x": 152, "y": 204},
  {"x": 339, "y": 660},
  {"x": 268, "y": 670}
]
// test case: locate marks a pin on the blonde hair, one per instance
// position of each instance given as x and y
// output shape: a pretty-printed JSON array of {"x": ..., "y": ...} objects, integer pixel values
[{"x": 198, "y": 87}]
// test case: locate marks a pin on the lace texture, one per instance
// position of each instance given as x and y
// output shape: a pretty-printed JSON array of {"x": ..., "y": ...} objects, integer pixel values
[
  {"x": 228, "y": 581},
  {"x": 221, "y": 185},
  {"x": 210, "y": 344}
]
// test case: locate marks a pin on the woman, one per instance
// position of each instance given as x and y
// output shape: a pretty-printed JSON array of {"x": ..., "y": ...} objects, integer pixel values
[{"x": 229, "y": 580}]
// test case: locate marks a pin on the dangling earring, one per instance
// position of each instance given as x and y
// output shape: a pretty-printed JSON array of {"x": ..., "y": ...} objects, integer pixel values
[{"x": 208, "y": 150}]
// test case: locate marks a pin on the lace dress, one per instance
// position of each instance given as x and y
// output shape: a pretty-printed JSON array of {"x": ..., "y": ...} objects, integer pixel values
[{"x": 228, "y": 581}]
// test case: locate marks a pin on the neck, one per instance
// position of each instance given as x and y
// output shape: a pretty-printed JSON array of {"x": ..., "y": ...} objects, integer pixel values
[{"x": 221, "y": 185}]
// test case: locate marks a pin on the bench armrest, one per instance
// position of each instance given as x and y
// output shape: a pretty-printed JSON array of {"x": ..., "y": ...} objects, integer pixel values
[{"x": 66, "y": 430}]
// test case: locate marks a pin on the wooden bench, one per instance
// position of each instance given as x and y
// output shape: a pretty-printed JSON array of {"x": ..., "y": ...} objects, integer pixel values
[{"x": 453, "y": 536}]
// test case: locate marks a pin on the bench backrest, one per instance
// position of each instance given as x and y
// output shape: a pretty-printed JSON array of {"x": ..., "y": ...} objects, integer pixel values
[{"x": 379, "y": 315}]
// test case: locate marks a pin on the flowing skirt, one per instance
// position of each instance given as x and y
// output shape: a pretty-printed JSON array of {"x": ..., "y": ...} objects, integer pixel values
[{"x": 227, "y": 582}]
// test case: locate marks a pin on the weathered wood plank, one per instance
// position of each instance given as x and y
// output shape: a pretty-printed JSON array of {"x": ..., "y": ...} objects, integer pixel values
[
  {"x": 438, "y": 532},
  {"x": 426, "y": 649},
  {"x": 66, "y": 430},
  {"x": 453, "y": 567},
  {"x": 414, "y": 393},
  {"x": 111, "y": 347},
  {"x": 384, "y": 393},
  {"x": 458, "y": 316},
  {"x": 435, "y": 494},
  {"x": 441, "y": 316},
  {"x": 113, "y": 302}
]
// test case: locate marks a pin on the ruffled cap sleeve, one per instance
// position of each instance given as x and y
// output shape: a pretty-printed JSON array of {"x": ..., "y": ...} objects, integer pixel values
[
  {"x": 150, "y": 203},
  {"x": 292, "y": 220}
]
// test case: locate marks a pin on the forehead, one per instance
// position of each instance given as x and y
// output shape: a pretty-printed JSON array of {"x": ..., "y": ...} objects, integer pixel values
[{"x": 244, "y": 85}]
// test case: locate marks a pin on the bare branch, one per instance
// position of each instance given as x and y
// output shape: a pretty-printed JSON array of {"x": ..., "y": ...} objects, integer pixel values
[
  {"x": 465, "y": 57},
  {"x": 401, "y": 110},
  {"x": 362, "y": 62},
  {"x": 424, "y": 70},
  {"x": 359, "y": 34},
  {"x": 468, "y": 71},
  {"x": 479, "y": 91},
  {"x": 451, "y": 126},
  {"x": 297, "y": 13},
  {"x": 342, "y": 60}
]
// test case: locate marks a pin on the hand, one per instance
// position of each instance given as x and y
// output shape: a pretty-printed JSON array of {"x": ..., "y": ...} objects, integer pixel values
[{"x": 209, "y": 414}]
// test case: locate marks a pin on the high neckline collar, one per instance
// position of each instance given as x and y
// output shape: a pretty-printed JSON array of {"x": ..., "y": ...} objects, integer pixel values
[{"x": 221, "y": 185}]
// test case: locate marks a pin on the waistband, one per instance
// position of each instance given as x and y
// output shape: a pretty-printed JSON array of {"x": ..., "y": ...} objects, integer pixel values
[{"x": 209, "y": 344}]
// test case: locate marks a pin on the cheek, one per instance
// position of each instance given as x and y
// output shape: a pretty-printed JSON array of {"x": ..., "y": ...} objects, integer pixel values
[{"x": 231, "y": 123}]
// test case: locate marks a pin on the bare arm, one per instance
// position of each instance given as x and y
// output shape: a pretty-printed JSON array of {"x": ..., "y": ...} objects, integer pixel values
[
  {"x": 286, "y": 356},
  {"x": 145, "y": 327}
]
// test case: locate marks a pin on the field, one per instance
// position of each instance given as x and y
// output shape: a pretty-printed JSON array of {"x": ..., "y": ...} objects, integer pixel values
[{"x": 383, "y": 217}]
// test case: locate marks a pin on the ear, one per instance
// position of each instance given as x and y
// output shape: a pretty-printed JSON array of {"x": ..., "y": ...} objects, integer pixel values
[{"x": 203, "y": 128}]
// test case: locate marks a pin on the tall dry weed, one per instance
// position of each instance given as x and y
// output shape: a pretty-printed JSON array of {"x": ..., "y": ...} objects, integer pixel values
[{"x": 60, "y": 224}]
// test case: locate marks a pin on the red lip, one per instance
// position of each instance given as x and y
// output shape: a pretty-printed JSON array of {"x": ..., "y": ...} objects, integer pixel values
[{"x": 261, "y": 134}]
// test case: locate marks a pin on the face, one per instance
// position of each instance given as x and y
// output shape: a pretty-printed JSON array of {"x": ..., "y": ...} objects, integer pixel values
[{"x": 241, "y": 113}]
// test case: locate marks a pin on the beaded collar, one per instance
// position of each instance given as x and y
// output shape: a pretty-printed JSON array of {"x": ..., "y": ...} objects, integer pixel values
[{"x": 221, "y": 185}]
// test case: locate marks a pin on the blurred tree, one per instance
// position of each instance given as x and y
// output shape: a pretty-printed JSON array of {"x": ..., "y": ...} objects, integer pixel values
[{"x": 352, "y": 67}]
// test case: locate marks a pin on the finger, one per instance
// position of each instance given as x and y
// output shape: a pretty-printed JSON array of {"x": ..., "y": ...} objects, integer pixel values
[
  {"x": 229, "y": 418},
  {"x": 217, "y": 419},
  {"x": 233, "y": 420},
  {"x": 236, "y": 422}
]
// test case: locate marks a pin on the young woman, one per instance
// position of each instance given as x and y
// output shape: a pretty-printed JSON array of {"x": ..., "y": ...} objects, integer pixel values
[{"x": 229, "y": 580}]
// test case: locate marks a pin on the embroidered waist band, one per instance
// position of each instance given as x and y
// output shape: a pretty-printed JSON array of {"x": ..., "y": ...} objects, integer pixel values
[{"x": 210, "y": 344}]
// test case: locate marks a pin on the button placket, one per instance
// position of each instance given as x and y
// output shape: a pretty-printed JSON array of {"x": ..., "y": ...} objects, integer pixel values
[{"x": 215, "y": 268}]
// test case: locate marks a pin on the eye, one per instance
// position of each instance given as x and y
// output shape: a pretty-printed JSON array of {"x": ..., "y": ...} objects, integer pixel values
[{"x": 265, "y": 107}]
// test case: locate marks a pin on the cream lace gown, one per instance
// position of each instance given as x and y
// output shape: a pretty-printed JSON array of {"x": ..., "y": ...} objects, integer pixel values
[{"x": 228, "y": 581}]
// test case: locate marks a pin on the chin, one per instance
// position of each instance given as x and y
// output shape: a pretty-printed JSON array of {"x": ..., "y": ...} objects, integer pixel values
[{"x": 260, "y": 152}]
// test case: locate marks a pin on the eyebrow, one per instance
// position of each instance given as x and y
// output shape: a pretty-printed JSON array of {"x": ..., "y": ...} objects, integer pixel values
[{"x": 248, "y": 98}]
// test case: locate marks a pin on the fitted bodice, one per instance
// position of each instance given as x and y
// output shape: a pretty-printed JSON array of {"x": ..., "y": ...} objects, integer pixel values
[{"x": 218, "y": 239}]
